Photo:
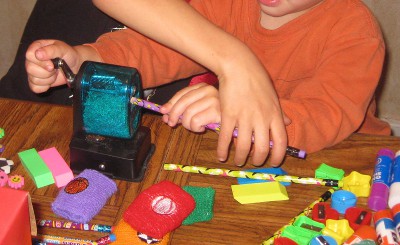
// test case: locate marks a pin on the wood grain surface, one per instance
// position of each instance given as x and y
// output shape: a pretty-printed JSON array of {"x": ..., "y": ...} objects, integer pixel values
[{"x": 32, "y": 125}]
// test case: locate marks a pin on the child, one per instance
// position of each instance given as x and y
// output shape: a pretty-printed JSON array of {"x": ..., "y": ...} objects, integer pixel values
[{"x": 322, "y": 59}]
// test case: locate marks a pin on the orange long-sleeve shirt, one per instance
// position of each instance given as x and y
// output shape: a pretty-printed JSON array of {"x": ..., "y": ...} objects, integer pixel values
[{"x": 325, "y": 65}]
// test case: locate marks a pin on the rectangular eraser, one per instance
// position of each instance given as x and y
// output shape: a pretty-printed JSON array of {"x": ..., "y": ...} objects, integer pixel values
[
  {"x": 62, "y": 173},
  {"x": 36, "y": 168},
  {"x": 259, "y": 192}
]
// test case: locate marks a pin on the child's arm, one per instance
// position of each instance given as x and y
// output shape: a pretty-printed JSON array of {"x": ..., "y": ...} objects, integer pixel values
[
  {"x": 40, "y": 68},
  {"x": 248, "y": 99}
]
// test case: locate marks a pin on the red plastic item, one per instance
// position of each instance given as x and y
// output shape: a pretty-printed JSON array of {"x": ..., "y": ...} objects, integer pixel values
[
  {"x": 323, "y": 211},
  {"x": 284, "y": 241},
  {"x": 364, "y": 232},
  {"x": 15, "y": 225},
  {"x": 357, "y": 217}
]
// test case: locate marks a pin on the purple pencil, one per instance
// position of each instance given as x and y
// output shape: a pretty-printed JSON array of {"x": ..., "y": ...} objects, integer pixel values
[{"x": 291, "y": 151}]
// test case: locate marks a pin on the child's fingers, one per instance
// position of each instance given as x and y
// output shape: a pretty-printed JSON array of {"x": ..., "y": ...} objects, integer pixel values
[
  {"x": 279, "y": 136},
  {"x": 201, "y": 113},
  {"x": 180, "y": 101},
  {"x": 261, "y": 146},
  {"x": 243, "y": 145}
]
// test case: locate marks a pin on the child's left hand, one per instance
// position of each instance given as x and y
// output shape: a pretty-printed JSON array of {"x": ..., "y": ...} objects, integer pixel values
[{"x": 194, "y": 106}]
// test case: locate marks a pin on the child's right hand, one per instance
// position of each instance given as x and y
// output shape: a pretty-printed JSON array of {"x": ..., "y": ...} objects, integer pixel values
[{"x": 40, "y": 69}]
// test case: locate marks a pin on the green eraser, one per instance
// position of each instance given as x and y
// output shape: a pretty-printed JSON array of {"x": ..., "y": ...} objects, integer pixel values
[{"x": 36, "y": 168}]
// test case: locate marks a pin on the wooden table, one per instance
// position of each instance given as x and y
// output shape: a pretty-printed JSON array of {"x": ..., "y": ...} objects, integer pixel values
[{"x": 41, "y": 126}]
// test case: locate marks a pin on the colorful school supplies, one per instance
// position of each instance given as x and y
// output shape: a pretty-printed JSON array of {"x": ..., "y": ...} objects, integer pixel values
[{"x": 323, "y": 198}]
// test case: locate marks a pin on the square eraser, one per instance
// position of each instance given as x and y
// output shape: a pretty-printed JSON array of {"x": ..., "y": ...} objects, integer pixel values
[
  {"x": 62, "y": 173},
  {"x": 259, "y": 192}
]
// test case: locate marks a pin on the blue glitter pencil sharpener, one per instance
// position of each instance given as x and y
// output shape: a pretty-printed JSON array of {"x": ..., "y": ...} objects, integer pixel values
[{"x": 107, "y": 135}]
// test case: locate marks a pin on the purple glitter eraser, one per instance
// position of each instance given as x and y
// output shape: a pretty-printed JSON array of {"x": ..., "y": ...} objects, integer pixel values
[{"x": 84, "y": 196}]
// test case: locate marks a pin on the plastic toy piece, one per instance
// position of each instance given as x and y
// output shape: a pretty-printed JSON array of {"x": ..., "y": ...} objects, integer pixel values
[
  {"x": 277, "y": 171},
  {"x": 342, "y": 200},
  {"x": 6, "y": 165},
  {"x": 1, "y": 148},
  {"x": 60, "y": 170},
  {"x": 308, "y": 223},
  {"x": 325, "y": 171},
  {"x": 364, "y": 232},
  {"x": 16, "y": 181},
  {"x": 325, "y": 240},
  {"x": 299, "y": 234},
  {"x": 36, "y": 168},
  {"x": 3, "y": 179},
  {"x": 284, "y": 241},
  {"x": 323, "y": 211},
  {"x": 340, "y": 230},
  {"x": 358, "y": 217},
  {"x": 359, "y": 184},
  {"x": 259, "y": 192},
  {"x": 2, "y": 133}
]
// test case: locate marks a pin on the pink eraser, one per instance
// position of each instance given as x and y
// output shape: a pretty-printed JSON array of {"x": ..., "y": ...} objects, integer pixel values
[{"x": 62, "y": 173}]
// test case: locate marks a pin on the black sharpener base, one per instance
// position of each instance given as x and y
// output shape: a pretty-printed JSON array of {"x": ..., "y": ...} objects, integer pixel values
[{"x": 124, "y": 159}]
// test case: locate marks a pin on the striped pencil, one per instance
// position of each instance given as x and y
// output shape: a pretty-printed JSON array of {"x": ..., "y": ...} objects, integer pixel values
[
  {"x": 48, "y": 239},
  {"x": 291, "y": 151},
  {"x": 59, "y": 224},
  {"x": 252, "y": 175}
]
